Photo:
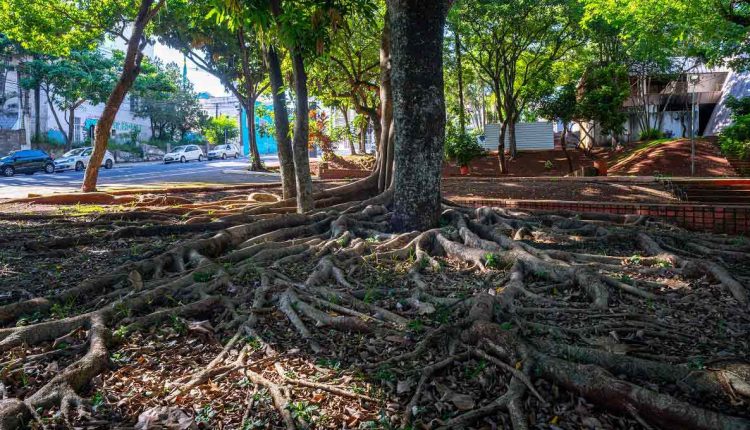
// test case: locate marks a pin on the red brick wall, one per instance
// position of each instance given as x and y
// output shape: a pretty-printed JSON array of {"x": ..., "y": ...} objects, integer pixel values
[{"x": 718, "y": 219}]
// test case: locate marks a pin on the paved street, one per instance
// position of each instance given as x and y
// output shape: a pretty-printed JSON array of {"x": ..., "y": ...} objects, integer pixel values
[{"x": 136, "y": 174}]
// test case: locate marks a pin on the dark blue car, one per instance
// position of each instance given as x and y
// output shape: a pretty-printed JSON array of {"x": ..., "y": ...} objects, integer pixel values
[{"x": 28, "y": 161}]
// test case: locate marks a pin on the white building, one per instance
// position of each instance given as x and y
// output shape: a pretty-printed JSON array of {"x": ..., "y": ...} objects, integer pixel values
[
  {"x": 30, "y": 111},
  {"x": 217, "y": 106}
]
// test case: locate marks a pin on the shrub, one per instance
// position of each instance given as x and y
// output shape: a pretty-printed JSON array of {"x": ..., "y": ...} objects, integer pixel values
[
  {"x": 461, "y": 147},
  {"x": 124, "y": 147},
  {"x": 735, "y": 138},
  {"x": 651, "y": 134}
]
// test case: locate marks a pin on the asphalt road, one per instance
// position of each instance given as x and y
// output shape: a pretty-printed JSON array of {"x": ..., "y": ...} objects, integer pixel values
[{"x": 136, "y": 174}]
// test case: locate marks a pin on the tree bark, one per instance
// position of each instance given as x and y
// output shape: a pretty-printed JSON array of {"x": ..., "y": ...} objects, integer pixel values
[
  {"x": 386, "y": 146},
  {"x": 501, "y": 149},
  {"x": 57, "y": 118},
  {"x": 250, "y": 97},
  {"x": 281, "y": 121},
  {"x": 512, "y": 137},
  {"x": 363, "y": 138},
  {"x": 563, "y": 138},
  {"x": 255, "y": 165},
  {"x": 349, "y": 140},
  {"x": 460, "y": 72},
  {"x": 130, "y": 71},
  {"x": 305, "y": 201},
  {"x": 37, "y": 106},
  {"x": 71, "y": 125},
  {"x": 418, "y": 111}
]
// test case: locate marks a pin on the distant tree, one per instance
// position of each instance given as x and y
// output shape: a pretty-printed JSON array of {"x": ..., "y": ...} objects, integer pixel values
[
  {"x": 320, "y": 133},
  {"x": 57, "y": 27},
  {"x": 221, "y": 129},
  {"x": 656, "y": 41},
  {"x": 726, "y": 32},
  {"x": 171, "y": 105},
  {"x": 227, "y": 48},
  {"x": 561, "y": 105},
  {"x": 68, "y": 82},
  {"x": 348, "y": 72},
  {"x": 602, "y": 92},
  {"x": 7, "y": 49},
  {"x": 513, "y": 45}
]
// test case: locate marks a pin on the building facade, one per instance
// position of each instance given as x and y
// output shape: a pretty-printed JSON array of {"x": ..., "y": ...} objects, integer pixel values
[{"x": 32, "y": 112}]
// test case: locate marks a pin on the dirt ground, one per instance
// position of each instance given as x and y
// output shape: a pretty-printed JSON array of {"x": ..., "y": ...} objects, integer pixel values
[
  {"x": 662, "y": 157},
  {"x": 670, "y": 158},
  {"x": 556, "y": 189},
  {"x": 692, "y": 323}
]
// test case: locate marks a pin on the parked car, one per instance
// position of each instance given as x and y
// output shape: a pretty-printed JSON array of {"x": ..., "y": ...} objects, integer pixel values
[
  {"x": 183, "y": 154},
  {"x": 28, "y": 161},
  {"x": 224, "y": 151},
  {"x": 78, "y": 159}
]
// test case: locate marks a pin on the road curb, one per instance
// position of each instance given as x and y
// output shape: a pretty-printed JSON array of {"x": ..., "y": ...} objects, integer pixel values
[{"x": 248, "y": 172}]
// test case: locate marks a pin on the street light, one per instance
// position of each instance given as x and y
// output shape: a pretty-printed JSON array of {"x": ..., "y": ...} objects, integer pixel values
[{"x": 693, "y": 78}]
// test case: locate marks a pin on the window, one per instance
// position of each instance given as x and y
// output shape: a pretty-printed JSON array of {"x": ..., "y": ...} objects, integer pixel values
[
  {"x": 133, "y": 103},
  {"x": 77, "y": 129}
]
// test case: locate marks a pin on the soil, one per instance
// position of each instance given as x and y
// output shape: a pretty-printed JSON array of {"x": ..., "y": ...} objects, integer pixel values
[
  {"x": 687, "y": 322},
  {"x": 459, "y": 189},
  {"x": 670, "y": 158},
  {"x": 349, "y": 162}
]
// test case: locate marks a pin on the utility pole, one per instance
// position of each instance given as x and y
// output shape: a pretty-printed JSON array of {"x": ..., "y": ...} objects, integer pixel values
[{"x": 693, "y": 80}]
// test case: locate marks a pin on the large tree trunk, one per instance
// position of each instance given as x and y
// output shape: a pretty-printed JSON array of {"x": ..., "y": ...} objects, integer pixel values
[
  {"x": 281, "y": 121},
  {"x": 305, "y": 201},
  {"x": 250, "y": 97},
  {"x": 255, "y": 165},
  {"x": 501, "y": 149},
  {"x": 130, "y": 71},
  {"x": 57, "y": 119},
  {"x": 363, "y": 139},
  {"x": 37, "y": 107},
  {"x": 386, "y": 148},
  {"x": 499, "y": 107},
  {"x": 418, "y": 110},
  {"x": 349, "y": 140},
  {"x": 563, "y": 138},
  {"x": 460, "y": 73},
  {"x": 71, "y": 125},
  {"x": 512, "y": 138}
]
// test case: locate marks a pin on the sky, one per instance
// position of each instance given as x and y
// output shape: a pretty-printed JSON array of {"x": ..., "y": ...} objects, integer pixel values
[{"x": 202, "y": 81}]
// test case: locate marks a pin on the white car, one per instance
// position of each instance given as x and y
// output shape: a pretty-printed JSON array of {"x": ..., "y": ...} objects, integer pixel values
[
  {"x": 224, "y": 151},
  {"x": 183, "y": 154},
  {"x": 78, "y": 159}
]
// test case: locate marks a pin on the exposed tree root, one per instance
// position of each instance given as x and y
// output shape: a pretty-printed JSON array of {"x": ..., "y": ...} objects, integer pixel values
[{"x": 308, "y": 271}]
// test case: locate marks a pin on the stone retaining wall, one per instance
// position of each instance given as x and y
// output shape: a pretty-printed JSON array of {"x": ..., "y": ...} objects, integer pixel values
[{"x": 11, "y": 140}]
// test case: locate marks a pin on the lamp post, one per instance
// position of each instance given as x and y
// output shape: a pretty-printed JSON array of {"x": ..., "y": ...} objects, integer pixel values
[{"x": 693, "y": 79}]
